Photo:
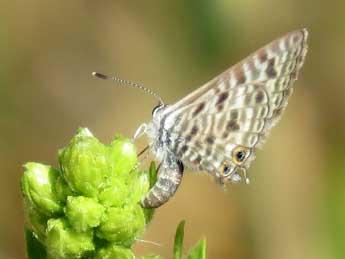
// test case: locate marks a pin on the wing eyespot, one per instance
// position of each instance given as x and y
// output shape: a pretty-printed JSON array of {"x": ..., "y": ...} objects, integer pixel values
[
  {"x": 225, "y": 168},
  {"x": 239, "y": 155}
]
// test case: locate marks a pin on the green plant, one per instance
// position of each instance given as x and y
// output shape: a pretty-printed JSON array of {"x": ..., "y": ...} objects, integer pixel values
[
  {"x": 89, "y": 207},
  {"x": 197, "y": 252}
]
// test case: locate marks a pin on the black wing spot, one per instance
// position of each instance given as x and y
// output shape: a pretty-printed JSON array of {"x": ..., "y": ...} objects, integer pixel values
[
  {"x": 200, "y": 107},
  {"x": 259, "y": 97},
  {"x": 195, "y": 130},
  {"x": 271, "y": 72},
  {"x": 222, "y": 98},
  {"x": 210, "y": 140},
  {"x": 184, "y": 148},
  {"x": 232, "y": 126},
  {"x": 220, "y": 107}
]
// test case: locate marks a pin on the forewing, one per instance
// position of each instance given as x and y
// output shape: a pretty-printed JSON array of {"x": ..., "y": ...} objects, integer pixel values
[{"x": 238, "y": 107}]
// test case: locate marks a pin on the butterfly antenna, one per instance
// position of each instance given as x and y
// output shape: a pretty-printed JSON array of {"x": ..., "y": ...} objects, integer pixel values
[{"x": 129, "y": 83}]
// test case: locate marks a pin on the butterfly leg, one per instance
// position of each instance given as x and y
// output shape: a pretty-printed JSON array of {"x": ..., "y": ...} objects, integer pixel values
[
  {"x": 236, "y": 177},
  {"x": 143, "y": 155},
  {"x": 246, "y": 177},
  {"x": 140, "y": 131},
  {"x": 167, "y": 183},
  {"x": 143, "y": 151}
]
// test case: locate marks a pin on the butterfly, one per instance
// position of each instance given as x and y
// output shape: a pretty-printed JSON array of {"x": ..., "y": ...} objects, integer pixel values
[{"x": 218, "y": 127}]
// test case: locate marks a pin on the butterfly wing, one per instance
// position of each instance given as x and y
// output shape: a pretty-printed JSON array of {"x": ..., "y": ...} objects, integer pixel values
[{"x": 235, "y": 111}]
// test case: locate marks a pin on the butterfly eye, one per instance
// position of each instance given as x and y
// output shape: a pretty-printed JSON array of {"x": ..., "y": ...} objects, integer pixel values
[
  {"x": 239, "y": 155},
  {"x": 154, "y": 110}
]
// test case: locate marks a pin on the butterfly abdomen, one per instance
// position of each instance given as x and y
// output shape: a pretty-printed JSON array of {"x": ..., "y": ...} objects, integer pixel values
[{"x": 170, "y": 177}]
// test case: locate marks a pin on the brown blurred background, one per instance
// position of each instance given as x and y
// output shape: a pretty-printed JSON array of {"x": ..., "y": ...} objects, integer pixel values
[{"x": 295, "y": 205}]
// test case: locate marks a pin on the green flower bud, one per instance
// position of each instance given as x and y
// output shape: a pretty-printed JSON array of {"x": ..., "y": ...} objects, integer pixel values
[
  {"x": 113, "y": 251},
  {"x": 37, "y": 223},
  {"x": 137, "y": 186},
  {"x": 122, "y": 192},
  {"x": 122, "y": 159},
  {"x": 84, "y": 164},
  {"x": 83, "y": 213},
  {"x": 38, "y": 188},
  {"x": 122, "y": 156},
  {"x": 115, "y": 195},
  {"x": 96, "y": 197},
  {"x": 122, "y": 225},
  {"x": 63, "y": 242},
  {"x": 62, "y": 189}
]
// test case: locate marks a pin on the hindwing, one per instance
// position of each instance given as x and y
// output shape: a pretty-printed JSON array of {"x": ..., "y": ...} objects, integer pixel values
[{"x": 238, "y": 107}]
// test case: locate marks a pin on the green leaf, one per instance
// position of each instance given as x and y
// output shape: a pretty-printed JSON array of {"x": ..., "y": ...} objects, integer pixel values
[
  {"x": 198, "y": 251},
  {"x": 152, "y": 174},
  {"x": 178, "y": 244},
  {"x": 152, "y": 179},
  {"x": 34, "y": 248}
]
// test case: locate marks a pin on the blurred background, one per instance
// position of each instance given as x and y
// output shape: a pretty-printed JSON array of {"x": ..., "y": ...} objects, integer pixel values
[{"x": 295, "y": 204}]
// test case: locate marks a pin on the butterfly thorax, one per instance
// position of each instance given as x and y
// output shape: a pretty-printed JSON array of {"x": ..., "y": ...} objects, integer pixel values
[{"x": 160, "y": 137}]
